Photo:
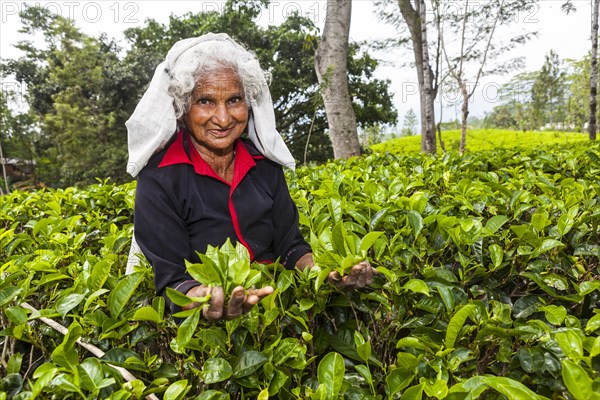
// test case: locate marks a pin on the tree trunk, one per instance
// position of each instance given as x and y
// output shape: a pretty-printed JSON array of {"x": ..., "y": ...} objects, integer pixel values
[
  {"x": 465, "y": 115},
  {"x": 594, "y": 72},
  {"x": 3, "y": 161},
  {"x": 331, "y": 61},
  {"x": 415, "y": 20}
]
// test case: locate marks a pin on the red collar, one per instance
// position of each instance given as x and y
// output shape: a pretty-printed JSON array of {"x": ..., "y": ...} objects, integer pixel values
[{"x": 176, "y": 154}]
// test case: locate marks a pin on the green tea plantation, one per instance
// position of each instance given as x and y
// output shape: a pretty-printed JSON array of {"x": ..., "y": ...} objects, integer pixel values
[{"x": 488, "y": 288}]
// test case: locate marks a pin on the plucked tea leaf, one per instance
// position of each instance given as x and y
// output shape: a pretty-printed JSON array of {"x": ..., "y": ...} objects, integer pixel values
[
  {"x": 368, "y": 240},
  {"x": 206, "y": 272}
]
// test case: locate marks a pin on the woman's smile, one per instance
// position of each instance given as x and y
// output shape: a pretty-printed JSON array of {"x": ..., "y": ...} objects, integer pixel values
[{"x": 219, "y": 114}]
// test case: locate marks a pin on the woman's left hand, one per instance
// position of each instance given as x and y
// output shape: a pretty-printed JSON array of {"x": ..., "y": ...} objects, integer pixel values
[{"x": 360, "y": 276}]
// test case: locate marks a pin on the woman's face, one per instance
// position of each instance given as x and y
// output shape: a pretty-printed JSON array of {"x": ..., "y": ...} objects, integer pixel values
[{"x": 218, "y": 114}]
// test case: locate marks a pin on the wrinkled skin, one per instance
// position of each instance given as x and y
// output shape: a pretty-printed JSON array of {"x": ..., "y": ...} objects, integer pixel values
[{"x": 240, "y": 302}]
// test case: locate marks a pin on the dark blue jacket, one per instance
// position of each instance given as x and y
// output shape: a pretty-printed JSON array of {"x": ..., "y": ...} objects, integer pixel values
[{"x": 182, "y": 205}]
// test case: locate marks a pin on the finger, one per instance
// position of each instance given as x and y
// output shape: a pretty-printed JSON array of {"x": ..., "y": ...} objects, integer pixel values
[
  {"x": 236, "y": 303},
  {"x": 214, "y": 310},
  {"x": 361, "y": 279},
  {"x": 334, "y": 278},
  {"x": 197, "y": 291},
  {"x": 349, "y": 281},
  {"x": 263, "y": 292},
  {"x": 369, "y": 275},
  {"x": 254, "y": 296},
  {"x": 251, "y": 301}
]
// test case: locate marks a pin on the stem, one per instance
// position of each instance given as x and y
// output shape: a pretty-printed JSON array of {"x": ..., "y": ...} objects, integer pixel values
[
  {"x": 309, "y": 132},
  {"x": 89, "y": 347}
]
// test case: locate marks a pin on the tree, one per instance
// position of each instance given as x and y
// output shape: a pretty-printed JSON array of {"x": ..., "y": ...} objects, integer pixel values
[
  {"x": 413, "y": 15},
  {"x": 474, "y": 26},
  {"x": 569, "y": 7},
  {"x": 331, "y": 60},
  {"x": 287, "y": 51},
  {"x": 592, "y": 128},
  {"x": 578, "y": 107},
  {"x": 410, "y": 123},
  {"x": 501, "y": 116},
  {"x": 82, "y": 89},
  {"x": 68, "y": 83},
  {"x": 547, "y": 92},
  {"x": 18, "y": 137}
]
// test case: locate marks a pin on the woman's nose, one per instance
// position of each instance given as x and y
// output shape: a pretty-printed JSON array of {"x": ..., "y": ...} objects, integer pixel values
[{"x": 222, "y": 115}]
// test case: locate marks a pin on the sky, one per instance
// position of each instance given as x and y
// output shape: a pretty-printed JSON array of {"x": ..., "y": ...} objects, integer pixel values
[{"x": 568, "y": 35}]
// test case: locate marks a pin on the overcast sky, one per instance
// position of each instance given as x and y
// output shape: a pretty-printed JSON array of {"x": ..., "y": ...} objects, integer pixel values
[{"x": 568, "y": 35}]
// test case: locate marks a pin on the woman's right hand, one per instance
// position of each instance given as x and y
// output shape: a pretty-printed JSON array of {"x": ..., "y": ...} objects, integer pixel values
[{"x": 240, "y": 302}]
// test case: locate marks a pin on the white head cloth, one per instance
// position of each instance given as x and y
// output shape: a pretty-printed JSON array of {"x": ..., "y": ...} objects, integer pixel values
[{"x": 153, "y": 122}]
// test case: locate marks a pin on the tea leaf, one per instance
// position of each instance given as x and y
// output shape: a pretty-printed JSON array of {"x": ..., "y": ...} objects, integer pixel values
[
  {"x": 122, "y": 293},
  {"x": 177, "y": 390},
  {"x": 456, "y": 323},
  {"x": 593, "y": 324},
  {"x": 188, "y": 327},
  {"x": 398, "y": 379},
  {"x": 495, "y": 223},
  {"x": 577, "y": 381},
  {"x": 331, "y": 374},
  {"x": 248, "y": 363},
  {"x": 413, "y": 392},
  {"x": 216, "y": 370},
  {"x": 69, "y": 302},
  {"x": 65, "y": 354},
  {"x": 570, "y": 343},
  {"x": 510, "y": 388},
  {"x": 147, "y": 313}
]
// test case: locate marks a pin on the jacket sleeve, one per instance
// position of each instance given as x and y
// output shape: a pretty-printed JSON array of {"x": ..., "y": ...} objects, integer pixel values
[
  {"x": 162, "y": 233},
  {"x": 289, "y": 242}
]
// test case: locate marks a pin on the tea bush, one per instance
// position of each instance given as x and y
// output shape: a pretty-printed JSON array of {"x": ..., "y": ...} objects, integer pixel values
[
  {"x": 488, "y": 288},
  {"x": 483, "y": 140}
]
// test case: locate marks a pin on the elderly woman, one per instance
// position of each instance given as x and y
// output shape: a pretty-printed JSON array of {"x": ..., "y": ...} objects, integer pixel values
[{"x": 201, "y": 182}]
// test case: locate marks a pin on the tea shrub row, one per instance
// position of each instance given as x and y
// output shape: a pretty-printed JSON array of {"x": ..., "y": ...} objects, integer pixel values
[{"x": 488, "y": 288}]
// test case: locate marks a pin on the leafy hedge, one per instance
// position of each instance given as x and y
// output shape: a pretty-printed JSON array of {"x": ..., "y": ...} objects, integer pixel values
[
  {"x": 484, "y": 140},
  {"x": 488, "y": 288}
]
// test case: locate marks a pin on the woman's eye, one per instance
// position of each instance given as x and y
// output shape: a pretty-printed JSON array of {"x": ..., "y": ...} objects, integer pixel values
[
  {"x": 236, "y": 100},
  {"x": 203, "y": 101}
]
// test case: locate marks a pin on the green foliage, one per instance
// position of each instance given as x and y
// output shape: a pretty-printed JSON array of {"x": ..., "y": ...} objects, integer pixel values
[
  {"x": 488, "y": 288},
  {"x": 484, "y": 140},
  {"x": 556, "y": 96},
  {"x": 82, "y": 89}
]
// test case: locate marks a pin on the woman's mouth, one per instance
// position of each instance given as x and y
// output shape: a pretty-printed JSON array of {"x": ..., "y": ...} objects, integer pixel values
[{"x": 219, "y": 132}]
